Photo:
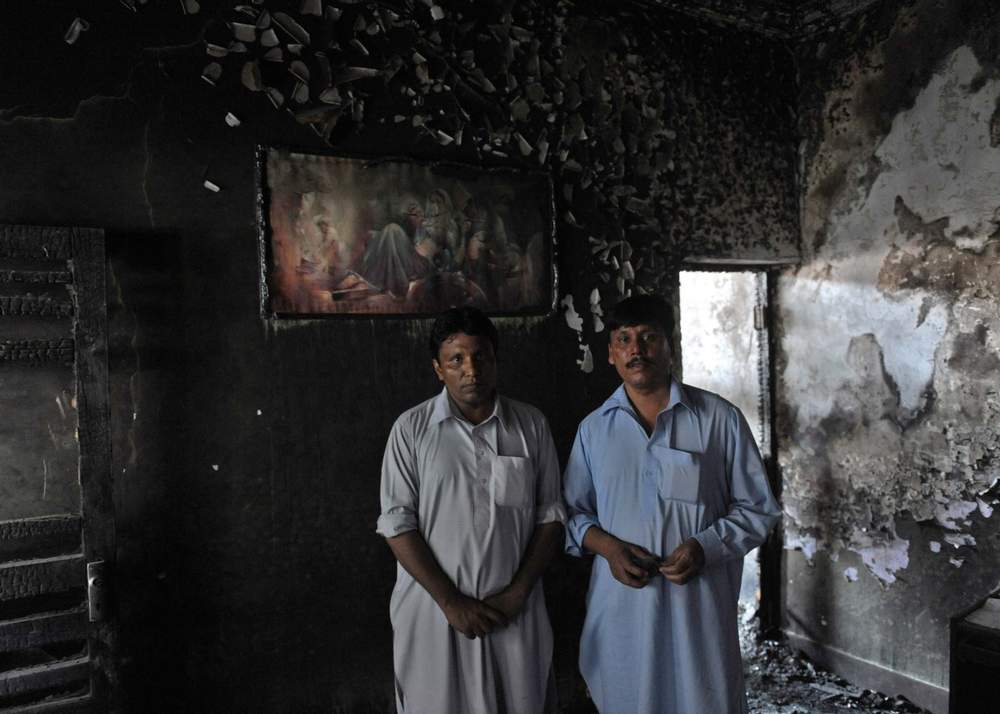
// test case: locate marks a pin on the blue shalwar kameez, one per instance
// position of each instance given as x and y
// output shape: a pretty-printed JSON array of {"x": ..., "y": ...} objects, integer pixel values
[{"x": 666, "y": 648}]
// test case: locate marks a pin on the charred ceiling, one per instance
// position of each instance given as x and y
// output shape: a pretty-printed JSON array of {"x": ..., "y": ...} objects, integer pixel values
[{"x": 781, "y": 19}]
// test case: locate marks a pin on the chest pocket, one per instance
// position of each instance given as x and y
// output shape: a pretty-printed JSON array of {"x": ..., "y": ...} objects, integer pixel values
[
  {"x": 679, "y": 475},
  {"x": 512, "y": 483}
]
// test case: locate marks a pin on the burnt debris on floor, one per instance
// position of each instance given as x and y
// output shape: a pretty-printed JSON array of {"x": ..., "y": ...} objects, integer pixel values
[{"x": 780, "y": 680}]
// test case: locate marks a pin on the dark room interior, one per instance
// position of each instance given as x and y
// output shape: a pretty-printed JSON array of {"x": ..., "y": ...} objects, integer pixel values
[{"x": 191, "y": 450}]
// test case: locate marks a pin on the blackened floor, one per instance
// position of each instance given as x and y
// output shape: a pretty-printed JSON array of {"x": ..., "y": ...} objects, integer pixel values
[{"x": 782, "y": 681}]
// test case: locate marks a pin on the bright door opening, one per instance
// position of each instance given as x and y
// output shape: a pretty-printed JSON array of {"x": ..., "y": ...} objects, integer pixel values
[{"x": 724, "y": 349}]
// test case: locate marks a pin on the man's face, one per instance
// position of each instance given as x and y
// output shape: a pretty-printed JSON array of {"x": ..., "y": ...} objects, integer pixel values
[
  {"x": 468, "y": 367},
  {"x": 641, "y": 355}
]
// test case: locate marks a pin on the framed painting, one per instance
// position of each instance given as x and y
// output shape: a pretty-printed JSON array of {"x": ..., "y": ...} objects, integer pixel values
[{"x": 348, "y": 236}]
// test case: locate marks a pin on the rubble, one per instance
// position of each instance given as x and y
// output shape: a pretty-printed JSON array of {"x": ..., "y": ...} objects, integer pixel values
[{"x": 782, "y": 681}]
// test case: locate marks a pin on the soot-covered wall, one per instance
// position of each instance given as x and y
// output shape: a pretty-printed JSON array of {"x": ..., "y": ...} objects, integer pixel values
[
  {"x": 890, "y": 337},
  {"x": 246, "y": 451}
]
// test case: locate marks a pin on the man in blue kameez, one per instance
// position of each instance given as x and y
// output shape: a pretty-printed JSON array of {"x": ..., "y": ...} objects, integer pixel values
[{"x": 666, "y": 487}]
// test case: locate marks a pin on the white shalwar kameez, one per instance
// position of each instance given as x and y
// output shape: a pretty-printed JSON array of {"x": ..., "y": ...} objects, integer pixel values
[{"x": 476, "y": 494}]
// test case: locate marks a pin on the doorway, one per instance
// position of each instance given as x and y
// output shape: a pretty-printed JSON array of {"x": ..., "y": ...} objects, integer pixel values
[{"x": 726, "y": 349}]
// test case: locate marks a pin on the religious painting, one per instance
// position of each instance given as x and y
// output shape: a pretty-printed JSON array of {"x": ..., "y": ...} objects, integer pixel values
[{"x": 347, "y": 236}]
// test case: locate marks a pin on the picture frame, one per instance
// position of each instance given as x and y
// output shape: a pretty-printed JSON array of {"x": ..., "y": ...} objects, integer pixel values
[{"x": 342, "y": 236}]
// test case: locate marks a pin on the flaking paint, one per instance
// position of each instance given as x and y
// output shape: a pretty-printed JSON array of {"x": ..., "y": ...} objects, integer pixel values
[
  {"x": 873, "y": 384},
  {"x": 889, "y": 413}
]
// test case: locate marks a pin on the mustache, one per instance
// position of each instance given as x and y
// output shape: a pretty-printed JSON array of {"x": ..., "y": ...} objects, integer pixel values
[{"x": 638, "y": 360}]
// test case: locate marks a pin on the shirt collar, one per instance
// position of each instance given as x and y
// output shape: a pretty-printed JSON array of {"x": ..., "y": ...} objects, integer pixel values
[
  {"x": 444, "y": 408},
  {"x": 619, "y": 399}
]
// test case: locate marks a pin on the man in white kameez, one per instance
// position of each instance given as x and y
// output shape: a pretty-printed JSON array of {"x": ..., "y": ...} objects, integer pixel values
[
  {"x": 472, "y": 511},
  {"x": 666, "y": 486}
]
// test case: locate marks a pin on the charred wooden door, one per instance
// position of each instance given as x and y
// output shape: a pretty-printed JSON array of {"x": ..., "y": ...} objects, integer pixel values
[{"x": 56, "y": 519}]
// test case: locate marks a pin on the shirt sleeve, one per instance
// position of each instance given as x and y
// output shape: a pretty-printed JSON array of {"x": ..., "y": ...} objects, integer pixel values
[
  {"x": 753, "y": 510},
  {"x": 399, "y": 490},
  {"x": 581, "y": 499},
  {"x": 549, "y": 507}
]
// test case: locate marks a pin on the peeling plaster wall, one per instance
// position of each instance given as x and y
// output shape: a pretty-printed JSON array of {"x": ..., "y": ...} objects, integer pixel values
[
  {"x": 246, "y": 453},
  {"x": 890, "y": 333}
]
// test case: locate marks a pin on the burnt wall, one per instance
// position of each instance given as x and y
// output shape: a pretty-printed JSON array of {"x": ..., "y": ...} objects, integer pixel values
[
  {"x": 246, "y": 452},
  {"x": 889, "y": 410}
]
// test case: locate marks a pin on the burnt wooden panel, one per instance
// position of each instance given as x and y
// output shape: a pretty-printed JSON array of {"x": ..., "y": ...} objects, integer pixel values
[
  {"x": 58, "y": 350},
  {"x": 17, "y": 682},
  {"x": 34, "y": 306},
  {"x": 70, "y": 705},
  {"x": 90, "y": 332},
  {"x": 39, "y": 537},
  {"x": 47, "y": 243},
  {"x": 42, "y": 584},
  {"x": 45, "y": 629},
  {"x": 38, "y": 277},
  {"x": 27, "y": 578}
]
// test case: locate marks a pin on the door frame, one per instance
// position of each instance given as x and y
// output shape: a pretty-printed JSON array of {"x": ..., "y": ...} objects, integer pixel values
[
  {"x": 90, "y": 337},
  {"x": 74, "y": 257},
  {"x": 770, "y": 553}
]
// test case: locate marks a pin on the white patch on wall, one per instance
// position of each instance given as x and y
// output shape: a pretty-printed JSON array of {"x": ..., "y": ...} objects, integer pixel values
[
  {"x": 935, "y": 546},
  {"x": 948, "y": 513},
  {"x": 575, "y": 322},
  {"x": 957, "y": 540},
  {"x": 946, "y": 134},
  {"x": 938, "y": 159},
  {"x": 817, "y": 338},
  {"x": 573, "y": 318},
  {"x": 885, "y": 559},
  {"x": 851, "y": 574},
  {"x": 992, "y": 483},
  {"x": 596, "y": 311},
  {"x": 799, "y": 541}
]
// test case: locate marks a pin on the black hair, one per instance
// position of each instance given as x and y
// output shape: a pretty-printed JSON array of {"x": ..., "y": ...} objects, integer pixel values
[
  {"x": 641, "y": 310},
  {"x": 465, "y": 319}
]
